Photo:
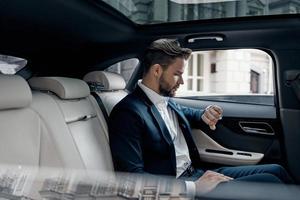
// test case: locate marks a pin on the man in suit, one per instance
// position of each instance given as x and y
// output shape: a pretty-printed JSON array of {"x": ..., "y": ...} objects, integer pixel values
[{"x": 150, "y": 133}]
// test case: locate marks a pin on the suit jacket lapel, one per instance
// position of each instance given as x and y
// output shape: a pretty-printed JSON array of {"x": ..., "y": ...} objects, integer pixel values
[
  {"x": 184, "y": 125},
  {"x": 178, "y": 112},
  {"x": 162, "y": 126},
  {"x": 194, "y": 155},
  {"x": 164, "y": 130}
]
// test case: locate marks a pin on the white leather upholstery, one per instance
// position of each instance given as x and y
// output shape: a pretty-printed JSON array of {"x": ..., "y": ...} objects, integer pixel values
[
  {"x": 23, "y": 137},
  {"x": 112, "y": 87},
  {"x": 58, "y": 131},
  {"x": 20, "y": 137},
  {"x": 110, "y": 99},
  {"x": 51, "y": 131},
  {"x": 65, "y": 88},
  {"x": 15, "y": 92},
  {"x": 108, "y": 81},
  {"x": 76, "y": 126}
]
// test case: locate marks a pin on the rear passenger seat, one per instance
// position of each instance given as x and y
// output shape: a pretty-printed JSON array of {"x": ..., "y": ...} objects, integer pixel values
[
  {"x": 110, "y": 87},
  {"x": 57, "y": 125},
  {"x": 23, "y": 135},
  {"x": 74, "y": 122}
]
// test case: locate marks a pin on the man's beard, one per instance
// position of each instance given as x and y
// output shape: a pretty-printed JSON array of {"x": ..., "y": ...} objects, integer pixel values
[
  {"x": 165, "y": 92},
  {"x": 165, "y": 89}
]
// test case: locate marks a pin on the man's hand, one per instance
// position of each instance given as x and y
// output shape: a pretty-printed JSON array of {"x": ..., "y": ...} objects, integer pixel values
[
  {"x": 209, "y": 180},
  {"x": 212, "y": 115}
]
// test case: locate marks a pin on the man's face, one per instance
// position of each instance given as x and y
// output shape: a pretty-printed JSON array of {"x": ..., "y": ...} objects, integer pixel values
[{"x": 171, "y": 78}]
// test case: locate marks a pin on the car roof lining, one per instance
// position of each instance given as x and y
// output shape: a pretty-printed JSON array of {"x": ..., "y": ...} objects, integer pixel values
[{"x": 78, "y": 38}]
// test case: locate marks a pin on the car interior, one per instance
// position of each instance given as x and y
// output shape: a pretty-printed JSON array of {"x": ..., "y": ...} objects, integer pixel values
[{"x": 54, "y": 108}]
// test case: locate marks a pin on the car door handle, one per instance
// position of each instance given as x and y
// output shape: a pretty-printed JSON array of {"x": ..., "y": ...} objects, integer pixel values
[
  {"x": 254, "y": 130},
  {"x": 216, "y": 38},
  {"x": 257, "y": 128}
]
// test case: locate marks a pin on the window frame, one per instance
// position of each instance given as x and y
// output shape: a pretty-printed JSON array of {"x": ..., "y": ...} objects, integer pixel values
[{"x": 226, "y": 97}]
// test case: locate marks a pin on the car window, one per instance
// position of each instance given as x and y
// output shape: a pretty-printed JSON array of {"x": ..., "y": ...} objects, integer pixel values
[
  {"x": 241, "y": 75},
  {"x": 154, "y": 12},
  {"x": 125, "y": 68},
  {"x": 11, "y": 64}
]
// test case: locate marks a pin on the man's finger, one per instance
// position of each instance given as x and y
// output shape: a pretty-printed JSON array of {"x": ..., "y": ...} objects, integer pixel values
[
  {"x": 223, "y": 179},
  {"x": 205, "y": 119},
  {"x": 211, "y": 124},
  {"x": 208, "y": 121},
  {"x": 216, "y": 114},
  {"x": 217, "y": 109},
  {"x": 210, "y": 116},
  {"x": 218, "y": 174},
  {"x": 212, "y": 127},
  {"x": 227, "y": 177}
]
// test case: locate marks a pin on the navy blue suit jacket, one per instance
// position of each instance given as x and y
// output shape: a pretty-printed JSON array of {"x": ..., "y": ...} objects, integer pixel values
[{"x": 139, "y": 139}]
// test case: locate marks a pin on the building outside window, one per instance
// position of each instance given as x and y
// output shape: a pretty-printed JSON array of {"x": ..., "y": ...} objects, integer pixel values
[
  {"x": 240, "y": 73},
  {"x": 254, "y": 81},
  {"x": 194, "y": 74},
  {"x": 159, "y": 11}
]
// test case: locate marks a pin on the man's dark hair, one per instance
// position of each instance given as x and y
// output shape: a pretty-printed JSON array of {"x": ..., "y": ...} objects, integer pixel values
[{"x": 164, "y": 52}]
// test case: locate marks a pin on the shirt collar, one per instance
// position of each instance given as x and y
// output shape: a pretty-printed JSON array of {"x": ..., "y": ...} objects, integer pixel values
[{"x": 154, "y": 97}]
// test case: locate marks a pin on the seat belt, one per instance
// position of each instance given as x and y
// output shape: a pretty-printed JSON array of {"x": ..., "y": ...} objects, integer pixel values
[{"x": 101, "y": 105}]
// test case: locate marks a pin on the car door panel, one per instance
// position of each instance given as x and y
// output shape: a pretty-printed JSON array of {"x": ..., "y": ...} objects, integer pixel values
[
  {"x": 212, "y": 152},
  {"x": 291, "y": 126},
  {"x": 245, "y": 129}
]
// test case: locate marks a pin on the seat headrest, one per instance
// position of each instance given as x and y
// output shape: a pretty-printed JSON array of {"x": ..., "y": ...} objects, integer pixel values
[
  {"x": 15, "y": 92},
  {"x": 65, "y": 88},
  {"x": 106, "y": 80}
]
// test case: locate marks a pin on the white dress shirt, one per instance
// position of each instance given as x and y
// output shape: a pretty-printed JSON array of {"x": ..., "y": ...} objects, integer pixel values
[{"x": 170, "y": 118}]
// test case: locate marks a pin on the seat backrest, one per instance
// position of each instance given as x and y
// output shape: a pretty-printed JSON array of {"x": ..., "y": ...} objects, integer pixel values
[
  {"x": 74, "y": 122},
  {"x": 110, "y": 87},
  {"x": 23, "y": 137}
]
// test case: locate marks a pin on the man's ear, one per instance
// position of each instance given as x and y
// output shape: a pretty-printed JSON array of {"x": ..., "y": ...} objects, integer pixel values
[{"x": 156, "y": 70}]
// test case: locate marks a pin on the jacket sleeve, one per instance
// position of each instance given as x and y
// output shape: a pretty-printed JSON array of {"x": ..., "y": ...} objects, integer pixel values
[
  {"x": 193, "y": 116},
  {"x": 125, "y": 137}
]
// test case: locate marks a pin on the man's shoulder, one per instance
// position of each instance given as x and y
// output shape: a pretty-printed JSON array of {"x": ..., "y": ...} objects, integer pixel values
[
  {"x": 130, "y": 102},
  {"x": 173, "y": 103},
  {"x": 130, "y": 99}
]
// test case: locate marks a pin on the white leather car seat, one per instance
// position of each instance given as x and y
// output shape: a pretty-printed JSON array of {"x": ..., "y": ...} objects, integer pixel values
[
  {"x": 23, "y": 136},
  {"x": 110, "y": 87},
  {"x": 74, "y": 122}
]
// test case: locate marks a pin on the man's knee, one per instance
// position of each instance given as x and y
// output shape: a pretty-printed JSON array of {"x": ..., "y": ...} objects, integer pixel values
[
  {"x": 281, "y": 173},
  {"x": 262, "y": 177},
  {"x": 277, "y": 169},
  {"x": 270, "y": 178}
]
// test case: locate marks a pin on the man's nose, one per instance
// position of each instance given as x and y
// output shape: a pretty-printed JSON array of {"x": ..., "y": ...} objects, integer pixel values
[{"x": 181, "y": 82}]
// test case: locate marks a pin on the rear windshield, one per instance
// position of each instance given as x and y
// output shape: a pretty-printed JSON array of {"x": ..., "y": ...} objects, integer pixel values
[{"x": 11, "y": 64}]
